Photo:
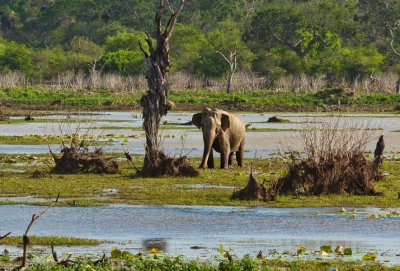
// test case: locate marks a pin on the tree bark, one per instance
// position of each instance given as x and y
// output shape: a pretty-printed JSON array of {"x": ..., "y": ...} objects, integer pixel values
[{"x": 155, "y": 103}]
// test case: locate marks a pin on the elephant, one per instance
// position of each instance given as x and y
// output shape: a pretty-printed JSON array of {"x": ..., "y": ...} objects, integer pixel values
[{"x": 223, "y": 132}]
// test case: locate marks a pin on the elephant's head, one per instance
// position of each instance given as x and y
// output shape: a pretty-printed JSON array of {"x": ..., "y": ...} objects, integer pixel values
[{"x": 211, "y": 120}]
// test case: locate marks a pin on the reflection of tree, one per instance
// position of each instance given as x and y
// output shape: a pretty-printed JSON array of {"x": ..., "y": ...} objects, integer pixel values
[{"x": 160, "y": 244}]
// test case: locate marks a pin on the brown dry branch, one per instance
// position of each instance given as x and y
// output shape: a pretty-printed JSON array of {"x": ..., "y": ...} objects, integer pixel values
[
  {"x": 25, "y": 238},
  {"x": 77, "y": 158},
  {"x": 163, "y": 165},
  {"x": 333, "y": 161},
  {"x": 65, "y": 263}
]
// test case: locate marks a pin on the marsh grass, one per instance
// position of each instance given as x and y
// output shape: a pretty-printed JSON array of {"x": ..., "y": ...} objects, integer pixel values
[
  {"x": 88, "y": 189},
  {"x": 245, "y": 263},
  {"x": 53, "y": 139},
  {"x": 50, "y": 240},
  {"x": 250, "y": 100}
]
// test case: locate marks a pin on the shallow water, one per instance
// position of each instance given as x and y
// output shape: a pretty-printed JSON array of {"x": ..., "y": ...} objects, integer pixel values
[
  {"x": 264, "y": 143},
  {"x": 242, "y": 229}
]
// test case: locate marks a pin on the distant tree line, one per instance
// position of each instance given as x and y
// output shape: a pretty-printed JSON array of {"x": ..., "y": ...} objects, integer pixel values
[{"x": 272, "y": 38}]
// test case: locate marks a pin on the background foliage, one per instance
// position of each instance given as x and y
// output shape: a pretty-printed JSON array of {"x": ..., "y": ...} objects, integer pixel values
[{"x": 275, "y": 38}]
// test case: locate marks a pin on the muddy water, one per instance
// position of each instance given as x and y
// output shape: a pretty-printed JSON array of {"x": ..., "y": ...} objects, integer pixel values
[
  {"x": 243, "y": 229},
  {"x": 265, "y": 143}
]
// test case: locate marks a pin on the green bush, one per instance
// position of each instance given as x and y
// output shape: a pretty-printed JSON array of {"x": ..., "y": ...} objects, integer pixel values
[{"x": 16, "y": 57}]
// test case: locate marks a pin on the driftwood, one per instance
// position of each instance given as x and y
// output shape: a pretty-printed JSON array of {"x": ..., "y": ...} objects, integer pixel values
[{"x": 77, "y": 158}]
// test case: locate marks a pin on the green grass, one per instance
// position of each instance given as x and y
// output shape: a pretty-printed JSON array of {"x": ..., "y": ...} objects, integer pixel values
[
  {"x": 49, "y": 139},
  {"x": 56, "y": 120},
  {"x": 88, "y": 189},
  {"x": 50, "y": 240},
  {"x": 247, "y": 100},
  {"x": 247, "y": 263}
]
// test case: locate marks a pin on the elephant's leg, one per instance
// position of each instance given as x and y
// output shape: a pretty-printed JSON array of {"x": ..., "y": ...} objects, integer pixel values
[
  {"x": 225, "y": 152},
  {"x": 210, "y": 162},
  {"x": 240, "y": 154},
  {"x": 230, "y": 160}
]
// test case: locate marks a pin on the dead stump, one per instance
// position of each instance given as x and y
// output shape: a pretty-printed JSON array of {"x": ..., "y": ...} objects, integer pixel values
[
  {"x": 158, "y": 164},
  {"x": 77, "y": 158},
  {"x": 253, "y": 191}
]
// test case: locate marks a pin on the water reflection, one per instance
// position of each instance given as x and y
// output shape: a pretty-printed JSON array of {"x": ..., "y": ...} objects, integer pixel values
[{"x": 160, "y": 244}]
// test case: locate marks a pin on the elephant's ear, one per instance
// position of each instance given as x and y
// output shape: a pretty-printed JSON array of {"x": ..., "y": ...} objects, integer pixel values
[
  {"x": 196, "y": 120},
  {"x": 225, "y": 122}
]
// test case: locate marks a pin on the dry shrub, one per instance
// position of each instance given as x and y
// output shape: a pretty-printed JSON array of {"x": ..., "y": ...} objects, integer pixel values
[
  {"x": 159, "y": 164},
  {"x": 242, "y": 81},
  {"x": 77, "y": 158},
  {"x": 333, "y": 161}
]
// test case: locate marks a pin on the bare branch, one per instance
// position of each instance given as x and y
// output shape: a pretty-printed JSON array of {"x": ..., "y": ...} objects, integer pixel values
[
  {"x": 170, "y": 7},
  {"x": 158, "y": 18},
  {"x": 172, "y": 21},
  {"x": 390, "y": 28},
  {"x": 26, "y": 240},
  {"x": 4, "y": 236},
  {"x": 222, "y": 54}
]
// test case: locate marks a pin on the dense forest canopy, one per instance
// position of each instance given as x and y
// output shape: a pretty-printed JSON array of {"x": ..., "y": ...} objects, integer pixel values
[{"x": 273, "y": 38}]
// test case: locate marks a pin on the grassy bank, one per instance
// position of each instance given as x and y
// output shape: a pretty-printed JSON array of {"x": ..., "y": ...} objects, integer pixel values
[
  {"x": 36, "y": 98},
  {"x": 50, "y": 240},
  {"x": 212, "y": 187}
]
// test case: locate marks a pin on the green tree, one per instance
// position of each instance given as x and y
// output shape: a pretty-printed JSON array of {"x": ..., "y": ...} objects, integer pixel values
[
  {"x": 224, "y": 41},
  {"x": 300, "y": 26},
  {"x": 122, "y": 53},
  {"x": 50, "y": 62},
  {"x": 16, "y": 57},
  {"x": 185, "y": 47}
]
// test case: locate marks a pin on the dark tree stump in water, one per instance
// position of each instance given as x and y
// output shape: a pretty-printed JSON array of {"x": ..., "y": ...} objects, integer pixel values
[
  {"x": 253, "y": 191},
  {"x": 378, "y": 154}
]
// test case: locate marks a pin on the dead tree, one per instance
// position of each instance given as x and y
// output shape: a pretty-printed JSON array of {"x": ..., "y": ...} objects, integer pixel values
[
  {"x": 155, "y": 103},
  {"x": 232, "y": 61},
  {"x": 380, "y": 147}
]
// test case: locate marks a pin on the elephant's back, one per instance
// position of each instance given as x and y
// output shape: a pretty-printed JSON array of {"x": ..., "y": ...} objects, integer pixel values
[{"x": 238, "y": 125}]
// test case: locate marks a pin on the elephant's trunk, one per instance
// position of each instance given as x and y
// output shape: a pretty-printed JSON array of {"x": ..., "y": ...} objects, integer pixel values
[{"x": 208, "y": 142}]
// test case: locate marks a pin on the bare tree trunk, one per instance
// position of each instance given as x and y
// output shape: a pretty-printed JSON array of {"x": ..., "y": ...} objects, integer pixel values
[
  {"x": 155, "y": 103},
  {"x": 228, "y": 85},
  {"x": 232, "y": 61}
]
